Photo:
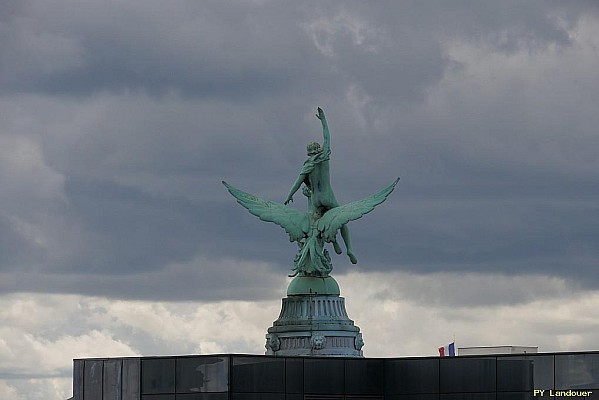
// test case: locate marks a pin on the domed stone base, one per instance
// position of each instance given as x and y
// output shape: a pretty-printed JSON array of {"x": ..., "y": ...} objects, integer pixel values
[
  {"x": 314, "y": 324},
  {"x": 309, "y": 285}
]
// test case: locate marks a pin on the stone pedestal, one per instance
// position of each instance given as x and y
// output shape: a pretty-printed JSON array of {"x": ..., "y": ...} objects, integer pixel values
[{"x": 313, "y": 322}]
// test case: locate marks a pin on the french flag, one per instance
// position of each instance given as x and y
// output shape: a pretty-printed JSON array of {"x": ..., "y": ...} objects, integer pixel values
[{"x": 447, "y": 351}]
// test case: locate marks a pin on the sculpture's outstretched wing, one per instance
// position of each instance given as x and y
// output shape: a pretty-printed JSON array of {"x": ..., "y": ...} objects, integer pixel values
[
  {"x": 336, "y": 217},
  {"x": 294, "y": 222}
]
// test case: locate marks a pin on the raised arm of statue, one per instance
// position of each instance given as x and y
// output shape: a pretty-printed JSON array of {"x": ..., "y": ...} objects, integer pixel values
[{"x": 325, "y": 130}]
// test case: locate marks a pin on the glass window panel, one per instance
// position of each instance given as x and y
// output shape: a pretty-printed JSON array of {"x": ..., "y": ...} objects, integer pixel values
[
  {"x": 258, "y": 374},
  {"x": 112, "y": 379},
  {"x": 296, "y": 396},
  {"x": 467, "y": 396},
  {"x": 514, "y": 374},
  {"x": 543, "y": 372},
  {"x": 294, "y": 375},
  {"x": 542, "y": 368},
  {"x": 323, "y": 376},
  {"x": 158, "y": 375},
  {"x": 92, "y": 379},
  {"x": 202, "y": 396},
  {"x": 202, "y": 374},
  {"x": 258, "y": 396},
  {"x": 158, "y": 397},
  {"x": 412, "y": 376},
  {"x": 78, "y": 379},
  {"x": 467, "y": 374},
  {"x": 130, "y": 380},
  {"x": 577, "y": 371},
  {"x": 364, "y": 397},
  {"x": 412, "y": 397},
  {"x": 521, "y": 396},
  {"x": 364, "y": 376}
]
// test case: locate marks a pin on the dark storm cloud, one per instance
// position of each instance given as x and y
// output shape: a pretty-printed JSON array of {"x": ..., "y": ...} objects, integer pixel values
[
  {"x": 15, "y": 250},
  {"x": 200, "y": 280},
  {"x": 214, "y": 49},
  {"x": 206, "y": 49},
  {"x": 138, "y": 113}
]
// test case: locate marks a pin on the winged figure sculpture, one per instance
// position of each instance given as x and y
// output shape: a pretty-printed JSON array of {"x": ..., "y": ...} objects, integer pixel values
[{"x": 312, "y": 229}]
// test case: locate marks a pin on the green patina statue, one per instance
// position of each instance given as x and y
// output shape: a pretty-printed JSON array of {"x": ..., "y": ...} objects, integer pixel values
[
  {"x": 316, "y": 178},
  {"x": 325, "y": 215}
]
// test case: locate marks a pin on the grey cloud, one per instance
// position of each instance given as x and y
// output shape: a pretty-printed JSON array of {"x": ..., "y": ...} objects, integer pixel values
[
  {"x": 119, "y": 122},
  {"x": 201, "y": 280},
  {"x": 207, "y": 49},
  {"x": 15, "y": 249},
  {"x": 468, "y": 289},
  {"x": 138, "y": 115},
  {"x": 250, "y": 50}
]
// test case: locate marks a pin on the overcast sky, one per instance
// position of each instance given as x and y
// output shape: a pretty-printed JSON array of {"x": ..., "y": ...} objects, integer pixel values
[{"x": 119, "y": 120}]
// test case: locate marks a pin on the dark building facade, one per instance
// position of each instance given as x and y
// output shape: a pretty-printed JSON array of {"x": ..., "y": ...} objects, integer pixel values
[{"x": 541, "y": 376}]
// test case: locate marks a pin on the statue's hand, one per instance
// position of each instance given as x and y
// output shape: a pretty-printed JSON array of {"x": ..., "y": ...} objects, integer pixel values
[
  {"x": 320, "y": 114},
  {"x": 289, "y": 200}
]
